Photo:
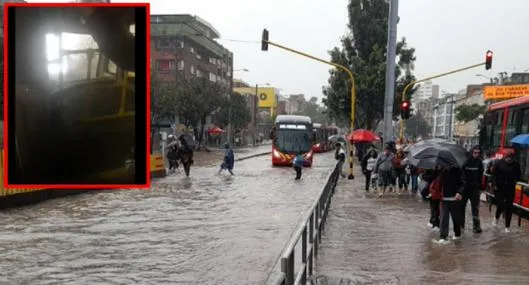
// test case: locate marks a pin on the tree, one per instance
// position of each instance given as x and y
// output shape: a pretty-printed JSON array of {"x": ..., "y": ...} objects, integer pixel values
[
  {"x": 312, "y": 109},
  {"x": 363, "y": 51},
  {"x": 417, "y": 126},
  {"x": 163, "y": 104},
  {"x": 198, "y": 98},
  {"x": 240, "y": 114},
  {"x": 466, "y": 113}
]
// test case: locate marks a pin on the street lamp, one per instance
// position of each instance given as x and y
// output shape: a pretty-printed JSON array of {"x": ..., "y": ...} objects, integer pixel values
[{"x": 489, "y": 78}]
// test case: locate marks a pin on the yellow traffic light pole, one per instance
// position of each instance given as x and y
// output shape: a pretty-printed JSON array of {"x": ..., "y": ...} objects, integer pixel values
[
  {"x": 428, "y": 78},
  {"x": 353, "y": 91}
]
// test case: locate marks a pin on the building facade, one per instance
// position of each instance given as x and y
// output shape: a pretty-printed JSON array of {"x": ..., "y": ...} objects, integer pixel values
[
  {"x": 468, "y": 133},
  {"x": 184, "y": 45}
]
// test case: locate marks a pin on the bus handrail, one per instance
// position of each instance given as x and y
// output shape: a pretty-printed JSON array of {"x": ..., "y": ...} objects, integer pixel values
[{"x": 310, "y": 232}]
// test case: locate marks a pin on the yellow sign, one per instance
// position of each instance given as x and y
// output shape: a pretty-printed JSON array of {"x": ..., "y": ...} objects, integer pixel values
[
  {"x": 267, "y": 95},
  {"x": 505, "y": 91}
]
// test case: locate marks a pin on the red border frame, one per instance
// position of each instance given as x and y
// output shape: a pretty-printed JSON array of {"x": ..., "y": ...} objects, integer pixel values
[{"x": 147, "y": 94}]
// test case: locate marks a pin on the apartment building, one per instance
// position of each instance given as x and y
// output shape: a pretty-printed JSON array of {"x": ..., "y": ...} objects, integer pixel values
[{"x": 185, "y": 45}]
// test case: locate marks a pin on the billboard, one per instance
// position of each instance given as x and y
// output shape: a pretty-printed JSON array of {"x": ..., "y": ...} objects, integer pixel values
[{"x": 505, "y": 91}]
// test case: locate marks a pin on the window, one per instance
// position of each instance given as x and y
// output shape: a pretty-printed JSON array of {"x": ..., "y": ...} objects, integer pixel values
[
  {"x": 164, "y": 43},
  {"x": 212, "y": 60},
  {"x": 165, "y": 64},
  {"x": 199, "y": 56},
  {"x": 180, "y": 44},
  {"x": 181, "y": 65},
  {"x": 212, "y": 77},
  {"x": 192, "y": 69},
  {"x": 192, "y": 50}
]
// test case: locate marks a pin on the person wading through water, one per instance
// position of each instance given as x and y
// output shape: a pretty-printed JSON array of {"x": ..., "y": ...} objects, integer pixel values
[
  {"x": 473, "y": 169},
  {"x": 505, "y": 173}
]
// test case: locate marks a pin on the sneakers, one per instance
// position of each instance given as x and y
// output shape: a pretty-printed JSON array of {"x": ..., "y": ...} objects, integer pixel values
[
  {"x": 495, "y": 222},
  {"x": 507, "y": 230},
  {"x": 477, "y": 230},
  {"x": 456, "y": 237},
  {"x": 435, "y": 229},
  {"x": 443, "y": 241},
  {"x": 430, "y": 225}
]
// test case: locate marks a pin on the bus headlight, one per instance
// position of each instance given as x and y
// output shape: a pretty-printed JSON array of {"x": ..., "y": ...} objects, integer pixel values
[
  {"x": 276, "y": 153},
  {"x": 309, "y": 154}
]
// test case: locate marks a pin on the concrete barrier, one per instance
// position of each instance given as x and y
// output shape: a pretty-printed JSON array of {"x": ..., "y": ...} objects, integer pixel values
[{"x": 157, "y": 166}]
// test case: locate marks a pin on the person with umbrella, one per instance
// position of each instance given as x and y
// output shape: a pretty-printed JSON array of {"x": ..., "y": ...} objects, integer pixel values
[
  {"x": 452, "y": 183},
  {"x": 505, "y": 173},
  {"x": 474, "y": 180}
]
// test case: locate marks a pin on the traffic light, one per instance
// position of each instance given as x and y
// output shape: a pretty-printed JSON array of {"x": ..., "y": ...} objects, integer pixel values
[
  {"x": 405, "y": 110},
  {"x": 264, "y": 40},
  {"x": 488, "y": 60}
]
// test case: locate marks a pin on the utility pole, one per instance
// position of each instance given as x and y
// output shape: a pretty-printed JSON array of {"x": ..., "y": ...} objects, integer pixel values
[
  {"x": 391, "y": 54},
  {"x": 229, "y": 120}
]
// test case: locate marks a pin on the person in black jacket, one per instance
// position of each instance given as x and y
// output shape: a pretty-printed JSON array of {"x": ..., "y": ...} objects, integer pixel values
[
  {"x": 473, "y": 184},
  {"x": 452, "y": 185},
  {"x": 505, "y": 173}
]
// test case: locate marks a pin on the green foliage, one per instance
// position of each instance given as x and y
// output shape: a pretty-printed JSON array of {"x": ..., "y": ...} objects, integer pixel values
[
  {"x": 466, "y": 113},
  {"x": 417, "y": 126},
  {"x": 312, "y": 109},
  {"x": 240, "y": 114},
  {"x": 363, "y": 51}
]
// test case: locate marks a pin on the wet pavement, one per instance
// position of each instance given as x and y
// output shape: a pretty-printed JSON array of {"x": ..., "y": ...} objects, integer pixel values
[
  {"x": 370, "y": 240},
  {"x": 205, "y": 229}
]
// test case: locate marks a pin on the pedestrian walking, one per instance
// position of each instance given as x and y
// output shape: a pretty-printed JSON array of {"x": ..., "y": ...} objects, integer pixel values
[
  {"x": 384, "y": 168},
  {"x": 473, "y": 169},
  {"x": 229, "y": 159},
  {"x": 452, "y": 184},
  {"x": 368, "y": 165},
  {"x": 298, "y": 165},
  {"x": 505, "y": 173}
]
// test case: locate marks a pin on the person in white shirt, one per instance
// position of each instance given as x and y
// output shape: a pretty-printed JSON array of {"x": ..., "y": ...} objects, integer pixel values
[{"x": 368, "y": 165}]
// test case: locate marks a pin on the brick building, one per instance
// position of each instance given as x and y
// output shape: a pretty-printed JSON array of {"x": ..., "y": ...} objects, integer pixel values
[{"x": 185, "y": 45}]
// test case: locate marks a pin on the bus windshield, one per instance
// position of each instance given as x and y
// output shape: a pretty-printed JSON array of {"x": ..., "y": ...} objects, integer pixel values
[{"x": 294, "y": 140}]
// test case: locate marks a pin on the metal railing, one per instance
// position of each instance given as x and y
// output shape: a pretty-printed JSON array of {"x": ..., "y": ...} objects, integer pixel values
[
  {"x": 518, "y": 203},
  {"x": 309, "y": 231}
]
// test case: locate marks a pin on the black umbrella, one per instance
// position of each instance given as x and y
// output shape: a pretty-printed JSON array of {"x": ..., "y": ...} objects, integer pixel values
[{"x": 430, "y": 155}]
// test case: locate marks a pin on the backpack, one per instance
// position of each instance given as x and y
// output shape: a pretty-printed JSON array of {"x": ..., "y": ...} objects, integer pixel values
[{"x": 436, "y": 188}]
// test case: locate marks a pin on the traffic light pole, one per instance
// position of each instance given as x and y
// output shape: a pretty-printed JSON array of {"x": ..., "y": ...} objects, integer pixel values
[
  {"x": 404, "y": 97},
  {"x": 391, "y": 54},
  {"x": 264, "y": 47}
]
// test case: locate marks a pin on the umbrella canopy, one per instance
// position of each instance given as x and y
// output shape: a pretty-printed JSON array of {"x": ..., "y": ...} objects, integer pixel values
[
  {"x": 215, "y": 131},
  {"x": 336, "y": 138},
  {"x": 362, "y": 135},
  {"x": 430, "y": 155},
  {"x": 522, "y": 140}
]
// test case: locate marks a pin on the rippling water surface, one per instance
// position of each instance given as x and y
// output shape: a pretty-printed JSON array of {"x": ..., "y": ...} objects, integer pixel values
[
  {"x": 206, "y": 229},
  {"x": 385, "y": 241}
]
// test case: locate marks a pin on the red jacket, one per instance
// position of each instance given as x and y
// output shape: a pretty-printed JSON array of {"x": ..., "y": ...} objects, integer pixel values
[{"x": 436, "y": 189}]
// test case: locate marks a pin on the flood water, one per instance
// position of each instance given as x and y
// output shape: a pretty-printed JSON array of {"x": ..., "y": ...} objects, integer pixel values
[
  {"x": 206, "y": 229},
  {"x": 370, "y": 240}
]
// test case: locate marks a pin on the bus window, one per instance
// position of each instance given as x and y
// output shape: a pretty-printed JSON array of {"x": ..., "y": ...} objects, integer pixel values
[
  {"x": 525, "y": 121},
  {"x": 510, "y": 131}
]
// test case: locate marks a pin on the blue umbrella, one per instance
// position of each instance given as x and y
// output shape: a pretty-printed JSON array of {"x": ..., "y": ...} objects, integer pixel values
[{"x": 522, "y": 139}]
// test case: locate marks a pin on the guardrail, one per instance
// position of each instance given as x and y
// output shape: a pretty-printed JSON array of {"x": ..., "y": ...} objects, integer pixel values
[
  {"x": 518, "y": 202},
  {"x": 310, "y": 231}
]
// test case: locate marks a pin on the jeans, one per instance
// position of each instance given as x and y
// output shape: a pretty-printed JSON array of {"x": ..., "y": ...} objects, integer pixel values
[
  {"x": 453, "y": 209},
  {"x": 414, "y": 183},
  {"x": 471, "y": 194},
  {"x": 368, "y": 179}
]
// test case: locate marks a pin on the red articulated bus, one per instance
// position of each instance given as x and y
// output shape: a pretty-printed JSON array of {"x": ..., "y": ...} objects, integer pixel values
[
  {"x": 502, "y": 122},
  {"x": 292, "y": 134},
  {"x": 321, "y": 138}
]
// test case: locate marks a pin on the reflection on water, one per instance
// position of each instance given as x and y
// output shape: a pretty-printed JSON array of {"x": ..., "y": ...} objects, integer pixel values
[
  {"x": 386, "y": 241},
  {"x": 206, "y": 229}
]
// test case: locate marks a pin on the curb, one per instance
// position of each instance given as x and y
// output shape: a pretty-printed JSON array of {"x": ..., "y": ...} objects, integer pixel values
[{"x": 253, "y": 155}]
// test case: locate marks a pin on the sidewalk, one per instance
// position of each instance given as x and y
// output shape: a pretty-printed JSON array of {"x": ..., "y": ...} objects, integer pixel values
[
  {"x": 215, "y": 156},
  {"x": 370, "y": 240}
]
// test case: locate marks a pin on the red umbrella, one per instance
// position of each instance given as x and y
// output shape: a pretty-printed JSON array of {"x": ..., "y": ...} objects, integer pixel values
[
  {"x": 215, "y": 131},
  {"x": 362, "y": 135}
]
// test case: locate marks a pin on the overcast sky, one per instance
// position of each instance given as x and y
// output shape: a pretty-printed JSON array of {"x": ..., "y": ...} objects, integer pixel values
[{"x": 447, "y": 34}]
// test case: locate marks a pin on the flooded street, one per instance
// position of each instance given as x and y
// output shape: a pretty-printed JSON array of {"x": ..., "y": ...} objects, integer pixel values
[
  {"x": 206, "y": 229},
  {"x": 386, "y": 241}
]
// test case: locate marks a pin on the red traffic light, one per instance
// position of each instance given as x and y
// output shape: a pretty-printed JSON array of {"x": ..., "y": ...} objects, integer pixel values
[
  {"x": 488, "y": 60},
  {"x": 405, "y": 104}
]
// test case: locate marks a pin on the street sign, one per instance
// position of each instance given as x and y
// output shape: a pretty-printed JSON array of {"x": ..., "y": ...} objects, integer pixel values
[{"x": 505, "y": 91}]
